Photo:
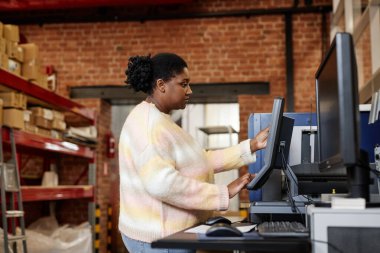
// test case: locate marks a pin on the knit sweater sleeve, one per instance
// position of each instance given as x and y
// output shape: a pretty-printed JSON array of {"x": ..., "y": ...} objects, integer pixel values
[
  {"x": 232, "y": 157},
  {"x": 163, "y": 181}
]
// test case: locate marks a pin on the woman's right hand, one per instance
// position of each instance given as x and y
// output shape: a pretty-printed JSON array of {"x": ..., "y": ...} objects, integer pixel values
[{"x": 235, "y": 186}]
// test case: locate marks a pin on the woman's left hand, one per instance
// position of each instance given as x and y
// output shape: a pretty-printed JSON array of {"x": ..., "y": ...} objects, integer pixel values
[{"x": 260, "y": 140}]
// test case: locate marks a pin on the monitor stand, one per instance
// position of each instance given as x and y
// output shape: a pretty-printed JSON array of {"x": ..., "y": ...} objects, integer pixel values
[
  {"x": 358, "y": 177},
  {"x": 287, "y": 210}
]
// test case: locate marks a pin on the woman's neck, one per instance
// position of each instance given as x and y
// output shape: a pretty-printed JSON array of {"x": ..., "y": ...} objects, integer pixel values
[{"x": 151, "y": 99}]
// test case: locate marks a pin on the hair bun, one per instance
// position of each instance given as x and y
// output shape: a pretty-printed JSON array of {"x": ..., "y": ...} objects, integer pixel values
[{"x": 140, "y": 73}]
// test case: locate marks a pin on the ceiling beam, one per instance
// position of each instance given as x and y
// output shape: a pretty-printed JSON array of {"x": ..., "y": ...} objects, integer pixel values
[
  {"x": 28, "y": 5},
  {"x": 140, "y": 14},
  {"x": 202, "y": 93}
]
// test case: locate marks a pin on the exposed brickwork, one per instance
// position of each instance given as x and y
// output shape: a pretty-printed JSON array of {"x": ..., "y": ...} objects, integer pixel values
[
  {"x": 217, "y": 50},
  {"x": 307, "y": 54}
]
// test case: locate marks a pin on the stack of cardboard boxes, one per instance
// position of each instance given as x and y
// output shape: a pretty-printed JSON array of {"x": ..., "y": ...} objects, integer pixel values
[
  {"x": 14, "y": 106},
  {"x": 47, "y": 122},
  {"x": 23, "y": 60},
  {"x": 20, "y": 59},
  {"x": 12, "y": 55},
  {"x": 36, "y": 120}
]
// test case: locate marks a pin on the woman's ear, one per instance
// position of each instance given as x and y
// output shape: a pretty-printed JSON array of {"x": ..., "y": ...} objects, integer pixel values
[{"x": 160, "y": 85}]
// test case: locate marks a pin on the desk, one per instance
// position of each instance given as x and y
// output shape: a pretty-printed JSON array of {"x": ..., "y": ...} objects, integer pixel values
[{"x": 190, "y": 241}]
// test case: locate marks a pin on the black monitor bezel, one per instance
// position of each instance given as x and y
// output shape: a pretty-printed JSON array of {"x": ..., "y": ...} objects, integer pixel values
[
  {"x": 348, "y": 104},
  {"x": 272, "y": 145}
]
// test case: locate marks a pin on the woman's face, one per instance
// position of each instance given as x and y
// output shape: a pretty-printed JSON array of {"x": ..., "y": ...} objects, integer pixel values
[{"x": 178, "y": 91}]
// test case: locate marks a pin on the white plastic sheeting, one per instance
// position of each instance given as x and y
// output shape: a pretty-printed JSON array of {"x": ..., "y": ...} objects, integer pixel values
[{"x": 45, "y": 236}]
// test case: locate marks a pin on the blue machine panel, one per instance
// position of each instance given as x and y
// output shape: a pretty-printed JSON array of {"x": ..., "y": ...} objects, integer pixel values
[
  {"x": 258, "y": 121},
  {"x": 369, "y": 138},
  {"x": 369, "y": 135}
]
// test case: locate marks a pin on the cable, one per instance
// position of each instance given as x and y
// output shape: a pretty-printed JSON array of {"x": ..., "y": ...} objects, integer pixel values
[
  {"x": 290, "y": 197},
  {"x": 311, "y": 201},
  {"x": 285, "y": 166},
  {"x": 328, "y": 244},
  {"x": 291, "y": 200},
  {"x": 295, "y": 182}
]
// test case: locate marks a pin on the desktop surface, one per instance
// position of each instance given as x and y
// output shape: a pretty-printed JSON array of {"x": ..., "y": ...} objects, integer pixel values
[{"x": 250, "y": 243}]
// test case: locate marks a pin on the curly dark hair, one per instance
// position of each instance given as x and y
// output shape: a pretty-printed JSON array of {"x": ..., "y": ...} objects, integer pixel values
[{"x": 143, "y": 71}]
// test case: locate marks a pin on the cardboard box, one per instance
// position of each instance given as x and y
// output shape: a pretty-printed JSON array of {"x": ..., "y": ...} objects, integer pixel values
[
  {"x": 59, "y": 125},
  {"x": 14, "y": 67},
  {"x": 9, "y": 47},
  {"x": 18, "y": 53},
  {"x": 31, "y": 51},
  {"x": 11, "y": 32},
  {"x": 42, "y": 122},
  {"x": 1, "y": 30},
  {"x": 30, "y": 128},
  {"x": 42, "y": 112},
  {"x": 3, "y": 46},
  {"x": 30, "y": 70},
  {"x": 4, "y": 61},
  {"x": 13, "y": 118},
  {"x": 56, "y": 134},
  {"x": 58, "y": 115},
  {"x": 13, "y": 100},
  {"x": 43, "y": 132},
  {"x": 14, "y": 51}
]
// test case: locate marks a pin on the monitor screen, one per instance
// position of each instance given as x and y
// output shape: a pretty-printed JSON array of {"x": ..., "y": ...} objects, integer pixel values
[
  {"x": 328, "y": 101},
  {"x": 337, "y": 105},
  {"x": 280, "y": 134},
  {"x": 338, "y": 115}
]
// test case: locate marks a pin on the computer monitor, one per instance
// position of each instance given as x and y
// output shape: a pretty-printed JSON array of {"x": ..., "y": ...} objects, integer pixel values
[
  {"x": 338, "y": 115},
  {"x": 280, "y": 134}
]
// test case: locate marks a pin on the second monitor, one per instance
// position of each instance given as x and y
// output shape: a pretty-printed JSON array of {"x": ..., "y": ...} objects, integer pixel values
[{"x": 277, "y": 150}]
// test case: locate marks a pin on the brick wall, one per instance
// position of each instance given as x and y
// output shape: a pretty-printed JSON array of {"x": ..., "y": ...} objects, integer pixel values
[{"x": 227, "y": 49}]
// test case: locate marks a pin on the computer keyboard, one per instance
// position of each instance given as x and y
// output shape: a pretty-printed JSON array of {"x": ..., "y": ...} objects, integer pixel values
[{"x": 283, "y": 228}]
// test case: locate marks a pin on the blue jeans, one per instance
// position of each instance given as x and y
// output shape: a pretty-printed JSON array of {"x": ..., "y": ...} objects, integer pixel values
[{"x": 134, "y": 246}]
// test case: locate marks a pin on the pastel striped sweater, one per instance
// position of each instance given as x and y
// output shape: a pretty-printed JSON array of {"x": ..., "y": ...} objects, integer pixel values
[{"x": 166, "y": 177}]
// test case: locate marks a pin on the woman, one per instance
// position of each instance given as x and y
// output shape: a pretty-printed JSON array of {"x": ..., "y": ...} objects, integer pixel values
[{"x": 166, "y": 178}]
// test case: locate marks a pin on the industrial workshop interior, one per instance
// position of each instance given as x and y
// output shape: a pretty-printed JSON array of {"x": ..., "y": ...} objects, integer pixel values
[{"x": 190, "y": 126}]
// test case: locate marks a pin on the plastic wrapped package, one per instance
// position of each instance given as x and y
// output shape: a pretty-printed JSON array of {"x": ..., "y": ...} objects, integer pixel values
[{"x": 45, "y": 236}]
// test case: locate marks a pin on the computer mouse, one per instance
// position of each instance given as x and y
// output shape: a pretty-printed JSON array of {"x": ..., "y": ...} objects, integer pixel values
[
  {"x": 217, "y": 219},
  {"x": 221, "y": 229}
]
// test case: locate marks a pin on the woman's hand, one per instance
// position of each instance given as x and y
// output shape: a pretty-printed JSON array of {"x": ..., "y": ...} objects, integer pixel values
[
  {"x": 260, "y": 140},
  {"x": 235, "y": 186}
]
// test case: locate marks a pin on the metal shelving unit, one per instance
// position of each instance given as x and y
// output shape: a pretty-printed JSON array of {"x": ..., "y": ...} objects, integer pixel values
[
  {"x": 41, "y": 193},
  {"x": 75, "y": 113},
  {"x": 28, "y": 143},
  {"x": 33, "y": 141},
  {"x": 213, "y": 130}
]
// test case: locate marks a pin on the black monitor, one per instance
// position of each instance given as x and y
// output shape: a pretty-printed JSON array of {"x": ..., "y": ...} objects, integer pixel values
[
  {"x": 338, "y": 115},
  {"x": 278, "y": 144}
]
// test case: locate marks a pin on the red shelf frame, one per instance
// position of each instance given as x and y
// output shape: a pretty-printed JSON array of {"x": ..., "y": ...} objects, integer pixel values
[
  {"x": 42, "y": 193},
  {"x": 19, "y": 84},
  {"x": 30, "y": 140}
]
